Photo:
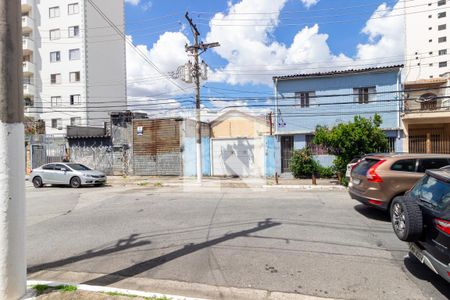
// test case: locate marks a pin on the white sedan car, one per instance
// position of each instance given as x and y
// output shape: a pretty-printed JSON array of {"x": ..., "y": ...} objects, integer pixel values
[{"x": 72, "y": 174}]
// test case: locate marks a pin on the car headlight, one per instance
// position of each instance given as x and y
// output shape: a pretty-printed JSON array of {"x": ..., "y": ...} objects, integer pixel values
[{"x": 87, "y": 175}]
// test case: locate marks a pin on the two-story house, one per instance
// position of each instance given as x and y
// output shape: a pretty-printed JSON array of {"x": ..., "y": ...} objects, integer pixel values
[{"x": 305, "y": 101}]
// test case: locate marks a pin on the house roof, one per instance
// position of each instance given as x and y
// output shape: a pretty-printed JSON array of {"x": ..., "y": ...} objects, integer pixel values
[
  {"x": 337, "y": 72},
  {"x": 236, "y": 113}
]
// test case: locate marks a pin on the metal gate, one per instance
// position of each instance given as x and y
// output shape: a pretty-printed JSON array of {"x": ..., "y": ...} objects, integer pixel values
[
  {"x": 46, "y": 153},
  {"x": 287, "y": 148},
  {"x": 429, "y": 140}
]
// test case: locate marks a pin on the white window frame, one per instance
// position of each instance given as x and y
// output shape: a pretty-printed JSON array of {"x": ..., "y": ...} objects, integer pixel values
[
  {"x": 57, "y": 123},
  {"x": 56, "y": 101},
  {"x": 57, "y": 77},
  {"x": 74, "y": 121},
  {"x": 55, "y": 34},
  {"x": 74, "y": 33},
  {"x": 74, "y": 78},
  {"x": 57, "y": 56},
  {"x": 54, "y": 12},
  {"x": 73, "y": 8},
  {"x": 364, "y": 95},
  {"x": 71, "y": 51},
  {"x": 75, "y": 99}
]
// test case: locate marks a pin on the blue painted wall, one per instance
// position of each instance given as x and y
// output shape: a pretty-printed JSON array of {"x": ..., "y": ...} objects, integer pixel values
[
  {"x": 323, "y": 111},
  {"x": 190, "y": 157},
  {"x": 269, "y": 163}
]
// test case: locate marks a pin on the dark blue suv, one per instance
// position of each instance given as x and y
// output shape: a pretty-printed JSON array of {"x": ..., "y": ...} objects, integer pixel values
[{"x": 422, "y": 218}]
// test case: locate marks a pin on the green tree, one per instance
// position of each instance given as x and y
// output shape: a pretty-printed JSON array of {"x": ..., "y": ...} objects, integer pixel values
[
  {"x": 303, "y": 164},
  {"x": 349, "y": 140}
]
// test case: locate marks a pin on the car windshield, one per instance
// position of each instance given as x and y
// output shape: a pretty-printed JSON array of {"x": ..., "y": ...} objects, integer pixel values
[
  {"x": 435, "y": 192},
  {"x": 78, "y": 167},
  {"x": 364, "y": 166}
]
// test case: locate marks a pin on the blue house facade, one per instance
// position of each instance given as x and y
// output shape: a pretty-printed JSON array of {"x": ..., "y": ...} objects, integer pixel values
[{"x": 305, "y": 101}]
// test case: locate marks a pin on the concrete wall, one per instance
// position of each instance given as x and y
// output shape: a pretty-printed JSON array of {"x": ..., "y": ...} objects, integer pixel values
[
  {"x": 189, "y": 149},
  {"x": 239, "y": 126}
]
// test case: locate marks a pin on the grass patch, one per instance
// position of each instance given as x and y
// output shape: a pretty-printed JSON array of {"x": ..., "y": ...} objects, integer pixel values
[
  {"x": 116, "y": 294},
  {"x": 40, "y": 288},
  {"x": 158, "y": 184},
  {"x": 66, "y": 288},
  {"x": 144, "y": 183}
]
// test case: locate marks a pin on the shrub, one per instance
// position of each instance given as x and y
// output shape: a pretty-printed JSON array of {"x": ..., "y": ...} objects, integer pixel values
[
  {"x": 303, "y": 164},
  {"x": 326, "y": 172}
]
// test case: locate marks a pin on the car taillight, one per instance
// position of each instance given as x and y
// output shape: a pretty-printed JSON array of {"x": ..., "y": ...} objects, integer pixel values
[
  {"x": 443, "y": 225},
  {"x": 375, "y": 202},
  {"x": 372, "y": 175}
]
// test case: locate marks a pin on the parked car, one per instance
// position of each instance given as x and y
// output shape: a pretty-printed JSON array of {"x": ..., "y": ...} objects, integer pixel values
[
  {"x": 350, "y": 166},
  {"x": 73, "y": 174},
  {"x": 377, "y": 179},
  {"x": 422, "y": 218}
]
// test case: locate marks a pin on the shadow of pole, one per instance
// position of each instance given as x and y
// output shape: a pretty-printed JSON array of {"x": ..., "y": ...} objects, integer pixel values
[
  {"x": 123, "y": 244},
  {"x": 188, "y": 249}
]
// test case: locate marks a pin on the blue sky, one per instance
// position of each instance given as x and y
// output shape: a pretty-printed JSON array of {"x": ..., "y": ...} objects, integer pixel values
[{"x": 259, "y": 38}]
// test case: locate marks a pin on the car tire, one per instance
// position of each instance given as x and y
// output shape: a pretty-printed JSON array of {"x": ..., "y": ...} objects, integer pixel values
[
  {"x": 37, "y": 182},
  {"x": 406, "y": 219},
  {"x": 75, "y": 182}
]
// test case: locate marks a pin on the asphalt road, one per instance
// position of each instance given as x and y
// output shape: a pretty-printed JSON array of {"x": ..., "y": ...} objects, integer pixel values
[{"x": 318, "y": 243}]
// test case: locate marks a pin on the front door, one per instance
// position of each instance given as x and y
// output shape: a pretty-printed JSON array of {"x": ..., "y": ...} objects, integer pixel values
[{"x": 287, "y": 147}]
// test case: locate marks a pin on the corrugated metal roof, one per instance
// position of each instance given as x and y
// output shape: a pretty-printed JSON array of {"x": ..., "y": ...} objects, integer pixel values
[{"x": 337, "y": 72}]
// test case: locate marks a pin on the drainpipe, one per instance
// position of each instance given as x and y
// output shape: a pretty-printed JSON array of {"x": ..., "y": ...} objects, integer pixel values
[
  {"x": 276, "y": 105},
  {"x": 399, "y": 103}
]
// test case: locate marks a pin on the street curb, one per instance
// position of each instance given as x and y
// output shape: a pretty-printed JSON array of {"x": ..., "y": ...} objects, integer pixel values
[
  {"x": 309, "y": 187},
  {"x": 102, "y": 289}
]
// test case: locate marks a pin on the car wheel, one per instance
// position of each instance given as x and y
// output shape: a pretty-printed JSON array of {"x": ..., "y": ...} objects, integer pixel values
[
  {"x": 407, "y": 219},
  {"x": 37, "y": 182},
  {"x": 75, "y": 182}
]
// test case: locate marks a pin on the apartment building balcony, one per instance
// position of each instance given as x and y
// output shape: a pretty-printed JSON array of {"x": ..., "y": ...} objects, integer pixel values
[
  {"x": 28, "y": 90},
  {"x": 27, "y": 5},
  {"x": 28, "y": 68},
  {"x": 28, "y": 46},
  {"x": 27, "y": 24}
]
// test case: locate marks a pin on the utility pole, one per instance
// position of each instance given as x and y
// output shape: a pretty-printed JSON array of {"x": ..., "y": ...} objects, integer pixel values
[
  {"x": 12, "y": 155},
  {"x": 196, "y": 50}
]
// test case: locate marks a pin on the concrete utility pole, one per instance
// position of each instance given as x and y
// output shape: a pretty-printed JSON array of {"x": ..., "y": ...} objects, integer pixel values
[
  {"x": 195, "y": 50},
  {"x": 12, "y": 154}
]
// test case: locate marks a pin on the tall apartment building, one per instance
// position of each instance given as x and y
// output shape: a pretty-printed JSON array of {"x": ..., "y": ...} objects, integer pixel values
[
  {"x": 74, "y": 62},
  {"x": 426, "y": 117}
]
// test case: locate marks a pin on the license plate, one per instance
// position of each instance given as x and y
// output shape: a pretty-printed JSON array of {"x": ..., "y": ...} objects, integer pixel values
[
  {"x": 416, "y": 251},
  {"x": 356, "y": 181}
]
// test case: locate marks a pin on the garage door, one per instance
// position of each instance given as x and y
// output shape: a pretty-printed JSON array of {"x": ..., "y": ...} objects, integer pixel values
[{"x": 236, "y": 157}]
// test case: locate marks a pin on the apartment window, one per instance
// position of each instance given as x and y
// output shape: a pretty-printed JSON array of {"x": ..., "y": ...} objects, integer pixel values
[
  {"x": 442, "y": 27},
  {"x": 430, "y": 41},
  {"x": 74, "y": 121},
  {"x": 53, "y": 12},
  {"x": 74, "y": 54},
  {"x": 441, "y": 2},
  {"x": 56, "y": 101},
  {"x": 303, "y": 98},
  {"x": 55, "y": 56},
  {"x": 55, "y": 34},
  {"x": 442, "y": 14},
  {"x": 57, "y": 123},
  {"x": 442, "y": 39},
  {"x": 75, "y": 99},
  {"x": 443, "y": 64},
  {"x": 443, "y": 52},
  {"x": 55, "y": 78},
  {"x": 363, "y": 95},
  {"x": 74, "y": 31},
  {"x": 73, "y": 9},
  {"x": 74, "y": 76}
]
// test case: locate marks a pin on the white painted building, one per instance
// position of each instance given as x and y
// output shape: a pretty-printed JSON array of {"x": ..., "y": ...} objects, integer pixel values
[
  {"x": 427, "y": 39},
  {"x": 74, "y": 62}
]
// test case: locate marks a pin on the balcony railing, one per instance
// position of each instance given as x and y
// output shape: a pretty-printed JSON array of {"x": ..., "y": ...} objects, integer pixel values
[
  {"x": 27, "y": 5},
  {"x": 28, "y": 68},
  {"x": 27, "y": 24},
  {"x": 436, "y": 105},
  {"x": 27, "y": 45},
  {"x": 28, "y": 89}
]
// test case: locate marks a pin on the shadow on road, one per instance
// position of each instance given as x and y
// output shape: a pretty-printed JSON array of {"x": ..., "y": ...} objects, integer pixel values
[
  {"x": 188, "y": 249},
  {"x": 422, "y": 272},
  {"x": 131, "y": 242},
  {"x": 372, "y": 213}
]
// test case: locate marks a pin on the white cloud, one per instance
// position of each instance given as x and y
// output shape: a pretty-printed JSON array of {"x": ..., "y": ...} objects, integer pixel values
[
  {"x": 132, "y": 2},
  {"x": 257, "y": 52},
  {"x": 167, "y": 54},
  {"x": 146, "y": 6},
  {"x": 309, "y": 3}
]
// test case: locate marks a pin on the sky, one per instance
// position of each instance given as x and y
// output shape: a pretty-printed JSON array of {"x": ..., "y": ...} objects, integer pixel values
[{"x": 258, "y": 39}]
